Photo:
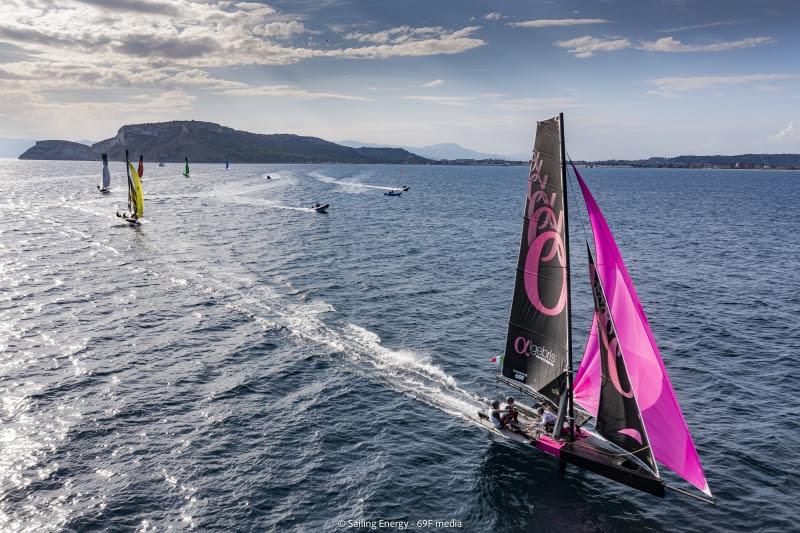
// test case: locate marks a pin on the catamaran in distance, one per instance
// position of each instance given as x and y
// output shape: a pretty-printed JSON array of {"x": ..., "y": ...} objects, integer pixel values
[
  {"x": 618, "y": 415},
  {"x": 135, "y": 196},
  {"x": 186, "y": 168},
  {"x": 105, "y": 177}
]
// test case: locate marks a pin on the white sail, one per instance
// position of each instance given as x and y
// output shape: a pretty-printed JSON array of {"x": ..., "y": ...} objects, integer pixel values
[{"x": 105, "y": 181}]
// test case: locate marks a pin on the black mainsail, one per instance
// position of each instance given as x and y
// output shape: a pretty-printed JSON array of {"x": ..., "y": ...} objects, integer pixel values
[{"x": 537, "y": 345}]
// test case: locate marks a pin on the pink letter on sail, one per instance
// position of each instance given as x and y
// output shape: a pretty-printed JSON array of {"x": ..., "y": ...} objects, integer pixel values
[
  {"x": 545, "y": 241},
  {"x": 669, "y": 436}
]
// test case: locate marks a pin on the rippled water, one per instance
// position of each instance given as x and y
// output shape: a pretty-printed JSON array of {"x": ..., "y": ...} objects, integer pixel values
[{"x": 240, "y": 362}]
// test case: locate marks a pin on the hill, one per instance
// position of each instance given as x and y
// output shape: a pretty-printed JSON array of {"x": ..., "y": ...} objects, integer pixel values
[
  {"x": 206, "y": 142},
  {"x": 61, "y": 151},
  {"x": 441, "y": 151}
]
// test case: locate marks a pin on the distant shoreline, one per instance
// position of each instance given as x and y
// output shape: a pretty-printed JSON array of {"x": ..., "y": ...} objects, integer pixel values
[
  {"x": 433, "y": 164},
  {"x": 207, "y": 142}
]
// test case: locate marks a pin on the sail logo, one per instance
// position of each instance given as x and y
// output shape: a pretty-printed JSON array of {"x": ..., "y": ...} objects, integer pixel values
[
  {"x": 527, "y": 348},
  {"x": 608, "y": 335},
  {"x": 545, "y": 241}
]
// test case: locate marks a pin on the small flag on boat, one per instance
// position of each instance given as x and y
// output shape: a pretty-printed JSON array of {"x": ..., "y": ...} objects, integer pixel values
[{"x": 498, "y": 360}]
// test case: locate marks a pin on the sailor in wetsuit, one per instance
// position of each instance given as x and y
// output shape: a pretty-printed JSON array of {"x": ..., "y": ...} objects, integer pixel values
[
  {"x": 497, "y": 419},
  {"x": 548, "y": 419},
  {"x": 512, "y": 415}
]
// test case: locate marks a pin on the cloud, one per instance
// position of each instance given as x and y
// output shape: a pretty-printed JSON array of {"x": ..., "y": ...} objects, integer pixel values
[
  {"x": 696, "y": 26},
  {"x": 291, "y": 91},
  {"x": 790, "y": 132},
  {"x": 669, "y": 44},
  {"x": 443, "y": 100},
  {"x": 169, "y": 47},
  {"x": 587, "y": 46},
  {"x": 405, "y": 34},
  {"x": 135, "y": 6},
  {"x": 417, "y": 42},
  {"x": 533, "y": 104},
  {"x": 433, "y": 83},
  {"x": 283, "y": 30},
  {"x": 494, "y": 15},
  {"x": 546, "y": 23},
  {"x": 672, "y": 85}
]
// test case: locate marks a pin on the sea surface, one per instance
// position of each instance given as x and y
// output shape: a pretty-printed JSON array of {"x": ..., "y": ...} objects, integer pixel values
[{"x": 242, "y": 363}]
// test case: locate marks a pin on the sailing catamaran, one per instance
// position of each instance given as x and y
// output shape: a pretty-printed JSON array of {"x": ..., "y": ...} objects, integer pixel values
[
  {"x": 186, "y": 170},
  {"x": 135, "y": 196},
  {"x": 105, "y": 179},
  {"x": 227, "y": 162},
  {"x": 140, "y": 171},
  {"x": 621, "y": 383}
]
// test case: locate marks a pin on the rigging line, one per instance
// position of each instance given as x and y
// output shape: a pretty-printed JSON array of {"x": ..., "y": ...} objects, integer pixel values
[{"x": 572, "y": 188}]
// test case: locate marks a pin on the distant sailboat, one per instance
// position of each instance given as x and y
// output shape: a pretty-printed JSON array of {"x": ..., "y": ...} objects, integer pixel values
[
  {"x": 161, "y": 164},
  {"x": 141, "y": 166},
  {"x": 186, "y": 170},
  {"x": 621, "y": 382},
  {"x": 105, "y": 179},
  {"x": 135, "y": 195},
  {"x": 227, "y": 162}
]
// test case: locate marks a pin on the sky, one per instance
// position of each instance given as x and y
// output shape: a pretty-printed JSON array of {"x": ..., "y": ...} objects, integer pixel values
[{"x": 635, "y": 78}]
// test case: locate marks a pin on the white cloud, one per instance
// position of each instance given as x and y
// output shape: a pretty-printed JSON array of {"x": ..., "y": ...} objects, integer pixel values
[
  {"x": 696, "y": 26},
  {"x": 291, "y": 91},
  {"x": 587, "y": 46},
  {"x": 494, "y": 15},
  {"x": 790, "y": 132},
  {"x": 183, "y": 35},
  {"x": 546, "y": 23},
  {"x": 283, "y": 30},
  {"x": 669, "y": 44},
  {"x": 399, "y": 34},
  {"x": 443, "y": 100},
  {"x": 672, "y": 85},
  {"x": 535, "y": 104},
  {"x": 433, "y": 83}
]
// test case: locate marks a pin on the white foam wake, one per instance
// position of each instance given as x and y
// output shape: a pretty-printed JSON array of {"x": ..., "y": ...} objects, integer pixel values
[{"x": 354, "y": 186}]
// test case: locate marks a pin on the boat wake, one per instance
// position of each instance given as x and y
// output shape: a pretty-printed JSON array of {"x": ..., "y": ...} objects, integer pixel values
[{"x": 354, "y": 187}]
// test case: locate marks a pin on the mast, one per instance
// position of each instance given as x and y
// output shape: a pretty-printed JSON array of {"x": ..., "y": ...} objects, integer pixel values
[
  {"x": 570, "y": 409},
  {"x": 130, "y": 188}
]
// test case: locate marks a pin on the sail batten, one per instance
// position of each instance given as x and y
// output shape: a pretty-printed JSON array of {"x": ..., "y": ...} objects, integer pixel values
[{"x": 661, "y": 415}]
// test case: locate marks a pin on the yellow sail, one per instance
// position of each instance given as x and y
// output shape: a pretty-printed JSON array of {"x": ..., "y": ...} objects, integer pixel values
[{"x": 136, "y": 193}]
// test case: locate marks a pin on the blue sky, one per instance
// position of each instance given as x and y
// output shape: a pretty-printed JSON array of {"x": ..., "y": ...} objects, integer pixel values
[{"x": 634, "y": 78}]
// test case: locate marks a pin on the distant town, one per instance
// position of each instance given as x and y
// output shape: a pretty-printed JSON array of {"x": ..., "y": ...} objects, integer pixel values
[{"x": 743, "y": 161}]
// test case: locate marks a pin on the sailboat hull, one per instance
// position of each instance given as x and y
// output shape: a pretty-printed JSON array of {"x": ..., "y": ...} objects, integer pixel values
[
  {"x": 588, "y": 451},
  {"x": 587, "y": 454},
  {"x": 127, "y": 218}
]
